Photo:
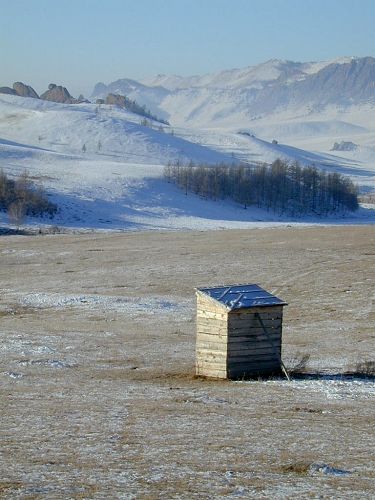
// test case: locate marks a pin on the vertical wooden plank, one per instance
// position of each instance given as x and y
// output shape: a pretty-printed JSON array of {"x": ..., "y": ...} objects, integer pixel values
[{"x": 211, "y": 338}]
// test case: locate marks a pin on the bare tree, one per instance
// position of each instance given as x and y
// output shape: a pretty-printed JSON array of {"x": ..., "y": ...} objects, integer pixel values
[
  {"x": 17, "y": 212},
  {"x": 282, "y": 187}
]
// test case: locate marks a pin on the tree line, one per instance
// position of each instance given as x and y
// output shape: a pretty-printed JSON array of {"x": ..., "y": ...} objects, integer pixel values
[
  {"x": 285, "y": 188},
  {"x": 20, "y": 197},
  {"x": 124, "y": 102},
  {"x": 134, "y": 107}
]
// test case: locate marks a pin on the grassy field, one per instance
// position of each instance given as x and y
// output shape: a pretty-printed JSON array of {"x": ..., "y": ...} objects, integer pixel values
[{"x": 98, "y": 394}]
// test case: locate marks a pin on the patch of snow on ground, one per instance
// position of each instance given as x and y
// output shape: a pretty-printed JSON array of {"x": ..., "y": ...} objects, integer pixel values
[{"x": 145, "y": 305}]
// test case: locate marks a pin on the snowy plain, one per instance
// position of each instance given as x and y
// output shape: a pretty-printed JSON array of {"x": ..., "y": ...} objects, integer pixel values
[{"x": 117, "y": 182}]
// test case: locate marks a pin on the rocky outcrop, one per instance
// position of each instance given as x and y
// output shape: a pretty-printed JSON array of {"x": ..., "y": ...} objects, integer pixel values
[
  {"x": 116, "y": 99},
  {"x": 123, "y": 102},
  {"x": 20, "y": 89},
  {"x": 24, "y": 90},
  {"x": 57, "y": 93},
  {"x": 7, "y": 90}
]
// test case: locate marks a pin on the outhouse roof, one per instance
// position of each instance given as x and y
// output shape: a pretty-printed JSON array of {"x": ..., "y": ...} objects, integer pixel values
[{"x": 242, "y": 296}]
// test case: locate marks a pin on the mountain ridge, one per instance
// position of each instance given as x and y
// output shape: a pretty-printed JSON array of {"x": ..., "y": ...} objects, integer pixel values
[{"x": 212, "y": 99}]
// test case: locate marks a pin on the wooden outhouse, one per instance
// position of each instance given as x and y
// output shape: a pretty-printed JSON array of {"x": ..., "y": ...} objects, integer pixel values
[{"x": 238, "y": 332}]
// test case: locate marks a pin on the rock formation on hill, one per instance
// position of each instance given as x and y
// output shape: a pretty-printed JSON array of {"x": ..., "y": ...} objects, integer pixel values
[
  {"x": 24, "y": 90},
  {"x": 115, "y": 99},
  {"x": 57, "y": 93},
  {"x": 7, "y": 90},
  {"x": 20, "y": 89}
]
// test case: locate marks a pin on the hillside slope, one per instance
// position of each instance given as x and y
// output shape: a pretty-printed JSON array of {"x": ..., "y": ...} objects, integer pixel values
[{"x": 104, "y": 169}]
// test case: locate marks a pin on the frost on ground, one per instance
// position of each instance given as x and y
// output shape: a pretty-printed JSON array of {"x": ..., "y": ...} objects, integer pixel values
[
  {"x": 133, "y": 306},
  {"x": 331, "y": 387},
  {"x": 97, "y": 389}
]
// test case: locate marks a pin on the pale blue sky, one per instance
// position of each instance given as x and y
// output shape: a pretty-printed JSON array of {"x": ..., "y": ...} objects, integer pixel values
[{"x": 80, "y": 42}]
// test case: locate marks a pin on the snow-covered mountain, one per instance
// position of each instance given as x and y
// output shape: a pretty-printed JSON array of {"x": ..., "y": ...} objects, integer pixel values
[
  {"x": 239, "y": 96},
  {"x": 251, "y": 77},
  {"x": 305, "y": 107}
]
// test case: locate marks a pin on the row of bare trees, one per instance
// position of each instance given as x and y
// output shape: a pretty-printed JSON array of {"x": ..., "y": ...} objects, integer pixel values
[
  {"x": 285, "y": 188},
  {"x": 20, "y": 197}
]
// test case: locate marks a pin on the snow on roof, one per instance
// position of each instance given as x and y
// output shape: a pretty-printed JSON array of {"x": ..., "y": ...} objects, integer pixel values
[{"x": 242, "y": 296}]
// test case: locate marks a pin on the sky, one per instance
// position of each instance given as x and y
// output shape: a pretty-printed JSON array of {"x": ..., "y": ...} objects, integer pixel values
[{"x": 77, "y": 43}]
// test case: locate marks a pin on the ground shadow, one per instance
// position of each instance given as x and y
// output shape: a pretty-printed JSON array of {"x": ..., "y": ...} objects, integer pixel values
[
  {"x": 345, "y": 376},
  {"x": 8, "y": 231}
]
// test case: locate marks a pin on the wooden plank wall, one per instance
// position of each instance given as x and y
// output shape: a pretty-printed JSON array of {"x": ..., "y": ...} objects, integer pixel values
[
  {"x": 212, "y": 338},
  {"x": 251, "y": 352},
  {"x": 233, "y": 344}
]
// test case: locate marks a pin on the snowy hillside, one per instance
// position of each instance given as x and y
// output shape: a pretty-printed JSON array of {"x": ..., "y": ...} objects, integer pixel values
[
  {"x": 104, "y": 169},
  {"x": 98, "y": 162},
  {"x": 305, "y": 107},
  {"x": 103, "y": 129}
]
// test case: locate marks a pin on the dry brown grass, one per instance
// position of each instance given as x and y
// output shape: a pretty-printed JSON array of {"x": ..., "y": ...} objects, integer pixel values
[
  {"x": 9, "y": 487},
  {"x": 301, "y": 468},
  {"x": 121, "y": 413}
]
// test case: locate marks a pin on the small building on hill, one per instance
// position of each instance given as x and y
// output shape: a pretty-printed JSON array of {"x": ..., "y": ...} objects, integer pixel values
[{"x": 239, "y": 331}]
